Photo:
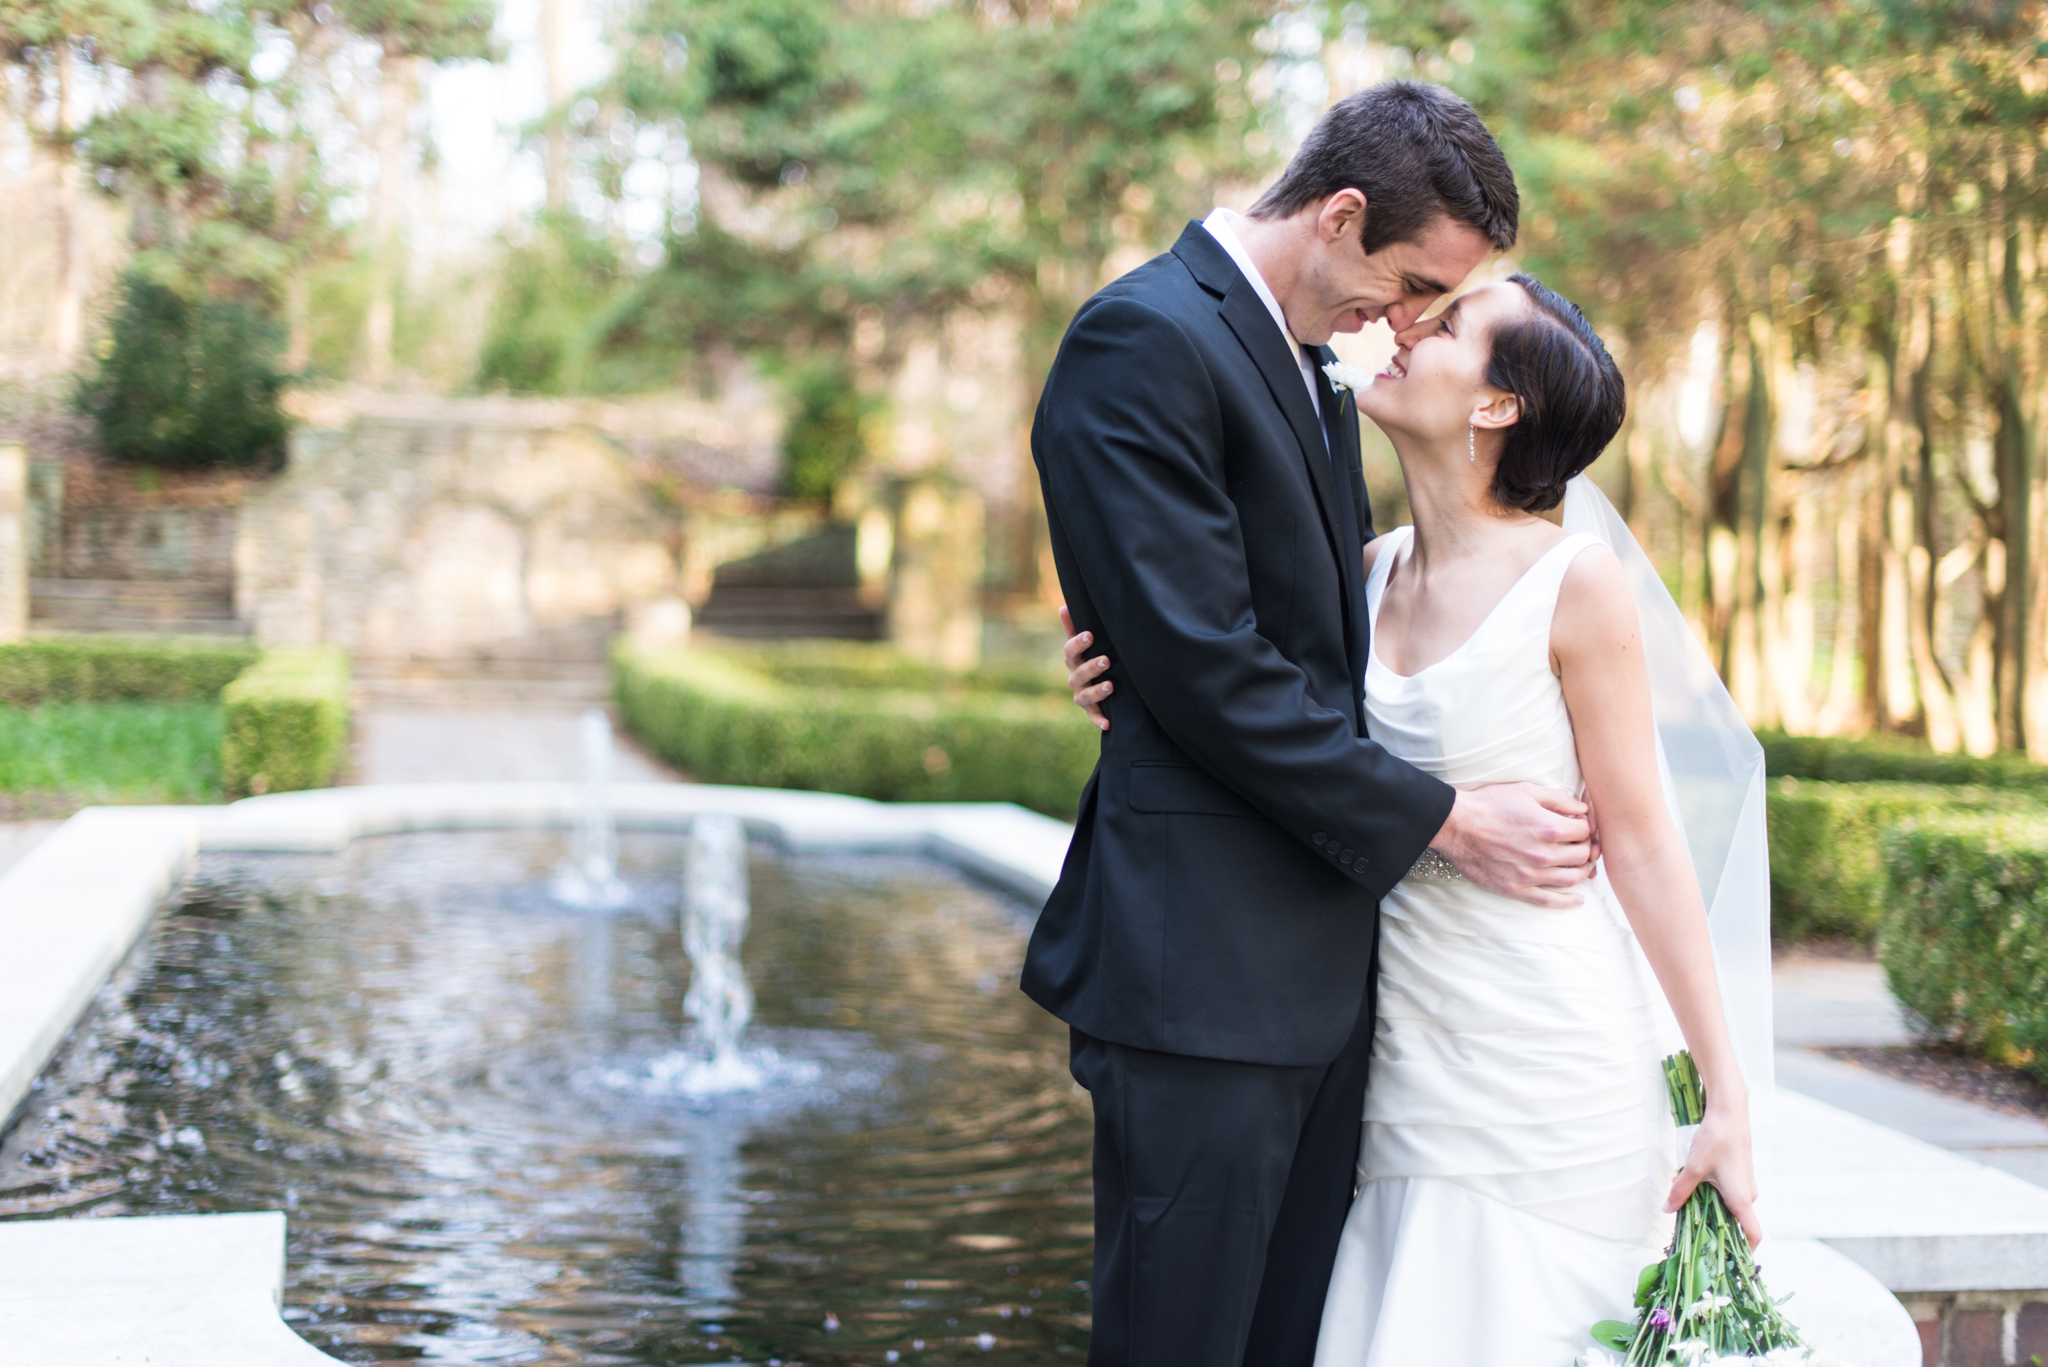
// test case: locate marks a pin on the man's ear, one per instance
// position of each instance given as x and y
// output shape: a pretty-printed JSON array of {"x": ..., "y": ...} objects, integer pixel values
[
  {"x": 1502, "y": 410},
  {"x": 1341, "y": 213}
]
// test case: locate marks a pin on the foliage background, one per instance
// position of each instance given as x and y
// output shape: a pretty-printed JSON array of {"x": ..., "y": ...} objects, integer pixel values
[{"x": 1812, "y": 231}]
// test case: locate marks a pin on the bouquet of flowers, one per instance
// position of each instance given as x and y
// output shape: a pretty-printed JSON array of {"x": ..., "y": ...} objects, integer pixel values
[{"x": 1706, "y": 1302}]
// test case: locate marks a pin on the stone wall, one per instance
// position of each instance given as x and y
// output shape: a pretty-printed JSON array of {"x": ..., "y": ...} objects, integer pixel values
[{"x": 452, "y": 538}]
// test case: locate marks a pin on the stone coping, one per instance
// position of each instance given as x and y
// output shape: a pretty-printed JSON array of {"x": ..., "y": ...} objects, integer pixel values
[
  {"x": 167, "y": 1291},
  {"x": 119, "y": 1290},
  {"x": 1917, "y": 1217}
]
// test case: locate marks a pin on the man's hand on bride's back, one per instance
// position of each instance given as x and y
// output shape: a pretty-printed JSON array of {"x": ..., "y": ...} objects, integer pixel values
[
  {"x": 1522, "y": 840},
  {"x": 1082, "y": 673}
]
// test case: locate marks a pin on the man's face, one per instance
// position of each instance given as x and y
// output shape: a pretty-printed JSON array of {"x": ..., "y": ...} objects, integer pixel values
[{"x": 1342, "y": 287}]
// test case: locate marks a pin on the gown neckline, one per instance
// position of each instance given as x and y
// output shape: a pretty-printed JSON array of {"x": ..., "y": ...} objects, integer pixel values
[{"x": 1373, "y": 621}]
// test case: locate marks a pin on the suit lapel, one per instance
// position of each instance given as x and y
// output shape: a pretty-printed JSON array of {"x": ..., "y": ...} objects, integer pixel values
[{"x": 1248, "y": 319}]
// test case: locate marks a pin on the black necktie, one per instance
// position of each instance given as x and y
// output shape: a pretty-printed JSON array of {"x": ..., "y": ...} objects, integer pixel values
[{"x": 1332, "y": 406}]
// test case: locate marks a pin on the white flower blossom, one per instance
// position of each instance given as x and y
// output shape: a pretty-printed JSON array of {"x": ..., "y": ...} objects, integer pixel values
[{"x": 1344, "y": 375}]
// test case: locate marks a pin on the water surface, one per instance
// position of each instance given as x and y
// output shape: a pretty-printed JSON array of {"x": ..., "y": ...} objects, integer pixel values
[{"x": 461, "y": 1093}]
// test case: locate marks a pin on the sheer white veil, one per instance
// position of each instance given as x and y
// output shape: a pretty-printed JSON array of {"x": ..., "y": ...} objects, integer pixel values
[{"x": 1713, "y": 771}]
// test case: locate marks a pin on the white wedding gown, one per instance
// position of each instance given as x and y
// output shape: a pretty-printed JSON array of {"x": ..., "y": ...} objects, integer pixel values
[{"x": 1517, "y": 1144}]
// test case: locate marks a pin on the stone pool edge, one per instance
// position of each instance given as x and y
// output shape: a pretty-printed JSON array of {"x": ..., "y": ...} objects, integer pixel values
[{"x": 76, "y": 904}]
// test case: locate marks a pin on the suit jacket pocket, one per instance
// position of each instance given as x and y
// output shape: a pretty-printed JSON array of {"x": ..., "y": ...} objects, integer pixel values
[{"x": 1161, "y": 787}]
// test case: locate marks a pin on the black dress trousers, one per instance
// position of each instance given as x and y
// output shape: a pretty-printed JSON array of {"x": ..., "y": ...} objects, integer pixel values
[{"x": 1221, "y": 1190}]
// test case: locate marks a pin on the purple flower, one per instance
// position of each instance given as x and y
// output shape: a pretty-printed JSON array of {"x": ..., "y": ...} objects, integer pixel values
[{"x": 1660, "y": 1318}]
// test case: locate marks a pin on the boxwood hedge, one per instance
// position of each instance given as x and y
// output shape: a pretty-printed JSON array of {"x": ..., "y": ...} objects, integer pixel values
[
  {"x": 287, "y": 723},
  {"x": 91, "y": 667},
  {"x": 731, "y": 716},
  {"x": 1965, "y": 938},
  {"x": 1892, "y": 759},
  {"x": 1827, "y": 867}
]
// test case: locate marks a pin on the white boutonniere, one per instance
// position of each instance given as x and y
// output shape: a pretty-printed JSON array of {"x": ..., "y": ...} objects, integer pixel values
[{"x": 1344, "y": 375}]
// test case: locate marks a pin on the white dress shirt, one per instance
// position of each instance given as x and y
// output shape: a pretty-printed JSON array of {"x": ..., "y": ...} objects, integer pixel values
[{"x": 1221, "y": 225}]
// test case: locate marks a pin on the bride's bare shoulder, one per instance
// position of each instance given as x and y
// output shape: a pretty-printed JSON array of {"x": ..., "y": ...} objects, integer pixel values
[{"x": 1596, "y": 614}]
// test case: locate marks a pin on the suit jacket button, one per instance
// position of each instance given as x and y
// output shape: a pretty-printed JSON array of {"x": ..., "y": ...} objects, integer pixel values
[
  {"x": 1345, "y": 857},
  {"x": 1319, "y": 838}
]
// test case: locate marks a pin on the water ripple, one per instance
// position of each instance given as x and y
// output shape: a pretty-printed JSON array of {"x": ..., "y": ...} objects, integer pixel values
[{"x": 465, "y": 1097}]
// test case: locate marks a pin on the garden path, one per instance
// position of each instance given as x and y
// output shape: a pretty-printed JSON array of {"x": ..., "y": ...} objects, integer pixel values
[
  {"x": 416, "y": 743},
  {"x": 1823, "y": 1003},
  {"x": 420, "y": 727}
]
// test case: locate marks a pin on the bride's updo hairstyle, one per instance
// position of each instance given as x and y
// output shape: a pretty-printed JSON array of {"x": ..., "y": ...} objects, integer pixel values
[{"x": 1570, "y": 392}]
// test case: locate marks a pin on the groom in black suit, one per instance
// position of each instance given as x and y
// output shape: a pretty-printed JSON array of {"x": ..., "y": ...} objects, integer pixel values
[{"x": 1211, "y": 939}]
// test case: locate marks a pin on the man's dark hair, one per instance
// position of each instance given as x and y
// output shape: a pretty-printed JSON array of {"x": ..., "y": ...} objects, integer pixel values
[
  {"x": 1416, "y": 152},
  {"x": 1571, "y": 394}
]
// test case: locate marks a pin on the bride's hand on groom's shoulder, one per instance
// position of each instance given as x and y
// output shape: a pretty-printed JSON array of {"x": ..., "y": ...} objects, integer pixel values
[
  {"x": 1522, "y": 840},
  {"x": 1083, "y": 673},
  {"x": 1720, "y": 1154}
]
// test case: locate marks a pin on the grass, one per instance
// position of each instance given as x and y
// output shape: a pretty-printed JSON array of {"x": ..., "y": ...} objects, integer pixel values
[{"x": 61, "y": 756}]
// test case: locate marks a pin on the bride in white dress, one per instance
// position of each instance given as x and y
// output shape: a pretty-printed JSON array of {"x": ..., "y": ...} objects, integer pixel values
[{"x": 1517, "y": 1163}]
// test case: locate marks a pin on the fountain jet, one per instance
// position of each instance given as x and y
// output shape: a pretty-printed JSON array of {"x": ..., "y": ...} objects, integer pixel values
[
  {"x": 591, "y": 877},
  {"x": 719, "y": 1002}
]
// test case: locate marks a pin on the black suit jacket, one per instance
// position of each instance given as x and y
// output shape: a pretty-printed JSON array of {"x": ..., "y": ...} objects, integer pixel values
[{"x": 1220, "y": 897}]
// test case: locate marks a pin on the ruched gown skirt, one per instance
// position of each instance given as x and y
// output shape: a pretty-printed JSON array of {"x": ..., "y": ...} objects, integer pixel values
[{"x": 1517, "y": 1145}]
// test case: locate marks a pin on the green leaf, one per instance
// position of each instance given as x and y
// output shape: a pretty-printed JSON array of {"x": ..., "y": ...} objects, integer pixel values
[
  {"x": 1646, "y": 1284},
  {"x": 1614, "y": 1334}
]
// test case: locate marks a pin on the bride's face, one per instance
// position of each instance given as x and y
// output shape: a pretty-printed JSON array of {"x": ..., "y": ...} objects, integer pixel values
[{"x": 1435, "y": 387}]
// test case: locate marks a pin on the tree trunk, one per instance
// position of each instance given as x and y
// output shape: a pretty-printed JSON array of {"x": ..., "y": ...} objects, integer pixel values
[
  {"x": 554, "y": 53},
  {"x": 1843, "y": 709},
  {"x": 398, "y": 87},
  {"x": 2014, "y": 446},
  {"x": 298, "y": 316},
  {"x": 67, "y": 317}
]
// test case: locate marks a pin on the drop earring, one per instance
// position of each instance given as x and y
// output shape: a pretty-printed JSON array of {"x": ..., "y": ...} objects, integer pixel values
[{"x": 1472, "y": 442}]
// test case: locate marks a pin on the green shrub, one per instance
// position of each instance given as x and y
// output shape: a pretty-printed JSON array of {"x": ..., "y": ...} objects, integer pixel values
[
  {"x": 188, "y": 382},
  {"x": 100, "y": 668},
  {"x": 724, "y": 719},
  {"x": 287, "y": 722},
  {"x": 63, "y": 755},
  {"x": 1891, "y": 759},
  {"x": 877, "y": 664},
  {"x": 1827, "y": 869},
  {"x": 1965, "y": 939},
  {"x": 829, "y": 430}
]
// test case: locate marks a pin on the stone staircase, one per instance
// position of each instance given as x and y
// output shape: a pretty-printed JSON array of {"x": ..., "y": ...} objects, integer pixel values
[
  {"x": 192, "y": 607},
  {"x": 550, "y": 667},
  {"x": 570, "y": 683},
  {"x": 807, "y": 587}
]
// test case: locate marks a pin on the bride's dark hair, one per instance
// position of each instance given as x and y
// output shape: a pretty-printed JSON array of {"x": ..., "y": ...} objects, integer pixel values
[{"x": 1571, "y": 393}]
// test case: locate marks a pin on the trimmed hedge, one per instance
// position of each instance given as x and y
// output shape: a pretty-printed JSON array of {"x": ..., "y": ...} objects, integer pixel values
[
  {"x": 109, "y": 668},
  {"x": 1827, "y": 866},
  {"x": 287, "y": 722},
  {"x": 877, "y": 664},
  {"x": 1892, "y": 759},
  {"x": 721, "y": 716},
  {"x": 1965, "y": 940}
]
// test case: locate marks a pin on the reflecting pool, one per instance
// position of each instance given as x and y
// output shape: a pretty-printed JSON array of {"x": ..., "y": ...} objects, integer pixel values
[{"x": 473, "y": 1102}]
